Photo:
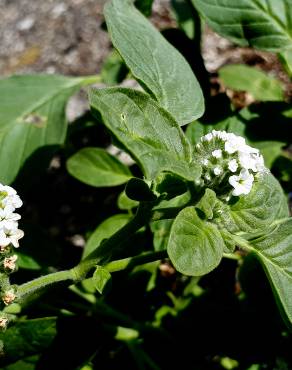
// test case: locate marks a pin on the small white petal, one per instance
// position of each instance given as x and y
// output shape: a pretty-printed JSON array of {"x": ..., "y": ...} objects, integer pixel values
[
  {"x": 208, "y": 177},
  {"x": 207, "y": 137},
  {"x": 232, "y": 165},
  {"x": 242, "y": 184},
  {"x": 217, "y": 170},
  {"x": 217, "y": 153}
]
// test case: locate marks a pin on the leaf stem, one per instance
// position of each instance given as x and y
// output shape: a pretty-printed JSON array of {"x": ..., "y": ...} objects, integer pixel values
[{"x": 90, "y": 80}]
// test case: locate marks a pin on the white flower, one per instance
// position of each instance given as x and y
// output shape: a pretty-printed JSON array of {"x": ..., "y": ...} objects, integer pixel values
[
  {"x": 217, "y": 153},
  {"x": 220, "y": 134},
  {"x": 247, "y": 161},
  {"x": 232, "y": 165},
  {"x": 234, "y": 143},
  {"x": 217, "y": 170},
  {"x": 8, "y": 218},
  {"x": 205, "y": 162},
  {"x": 11, "y": 197},
  {"x": 10, "y": 236},
  {"x": 242, "y": 183}
]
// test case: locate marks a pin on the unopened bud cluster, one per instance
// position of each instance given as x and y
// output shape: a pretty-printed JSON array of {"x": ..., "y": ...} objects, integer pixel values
[
  {"x": 9, "y": 237},
  {"x": 229, "y": 165}
]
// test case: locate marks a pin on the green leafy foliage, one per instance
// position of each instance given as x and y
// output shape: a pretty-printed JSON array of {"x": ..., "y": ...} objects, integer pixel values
[
  {"x": 195, "y": 246},
  {"x": 274, "y": 251},
  {"x": 101, "y": 279},
  {"x": 104, "y": 231},
  {"x": 28, "y": 338},
  {"x": 158, "y": 66},
  {"x": 32, "y": 115},
  {"x": 146, "y": 130},
  {"x": 263, "y": 24},
  {"x": 150, "y": 305},
  {"x": 96, "y": 167},
  {"x": 244, "y": 78}
]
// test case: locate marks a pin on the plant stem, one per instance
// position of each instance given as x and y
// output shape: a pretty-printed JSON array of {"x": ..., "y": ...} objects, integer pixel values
[
  {"x": 130, "y": 262},
  {"x": 74, "y": 276},
  {"x": 36, "y": 285},
  {"x": 90, "y": 80},
  {"x": 104, "y": 253}
]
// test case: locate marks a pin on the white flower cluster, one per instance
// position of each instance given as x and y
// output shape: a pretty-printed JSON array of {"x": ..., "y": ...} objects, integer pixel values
[
  {"x": 227, "y": 161},
  {"x": 9, "y": 232}
]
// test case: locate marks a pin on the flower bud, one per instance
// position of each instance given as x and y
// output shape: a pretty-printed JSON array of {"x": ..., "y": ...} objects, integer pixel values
[
  {"x": 8, "y": 296},
  {"x": 3, "y": 322},
  {"x": 9, "y": 263}
]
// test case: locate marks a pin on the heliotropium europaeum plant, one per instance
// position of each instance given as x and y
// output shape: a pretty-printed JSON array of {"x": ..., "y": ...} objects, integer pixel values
[
  {"x": 9, "y": 236},
  {"x": 213, "y": 197}
]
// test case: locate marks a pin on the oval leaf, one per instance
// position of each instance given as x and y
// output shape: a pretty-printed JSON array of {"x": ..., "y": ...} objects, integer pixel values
[
  {"x": 101, "y": 279},
  {"x": 96, "y": 167},
  {"x": 106, "y": 229},
  {"x": 32, "y": 115},
  {"x": 195, "y": 247},
  {"x": 125, "y": 203},
  {"x": 146, "y": 130},
  {"x": 40, "y": 332},
  {"x": 275, "y": 253},
  {"x": 240, "y": 77},
  {"x": 263, "y": 24},
  {"x": 154, "y": 62}
]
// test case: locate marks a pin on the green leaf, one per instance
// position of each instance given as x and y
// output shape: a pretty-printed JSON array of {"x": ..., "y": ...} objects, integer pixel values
[
  {"x": 106, "y": 229},
  {"x": 101, "y": 279},
  {"x": 138, "y": 189},
  {"x": 170, "y": 186},
  {"x": 183, "y": 13},
  {"x": 96, "y": 167},
  {"x": 27, "y": 262},
  {"x": 161, "y": 231},
  {"x": 146, "y": 131},
  {"x": 257, "y": 210},
  {"x": 270, "y": 150},
  {"x": 32, "y": 115},
  {"x": 28, "y": 363},
  {"x": 125, "y": 203},
  {"x": 157, "y": 65},
  {"x": 28, "y": 337},
  {"x": 126, "y": 334},
  {"x": 114, "y": 70},
  {"x": 275, "y": 253},
  {"x": 195, "y": 246},
  {"x": 262, "y": 24},
  {"x": 286, "y": 59},
  {"x": 262, "y": 87},
  {"x": 145, "y": 6}
]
